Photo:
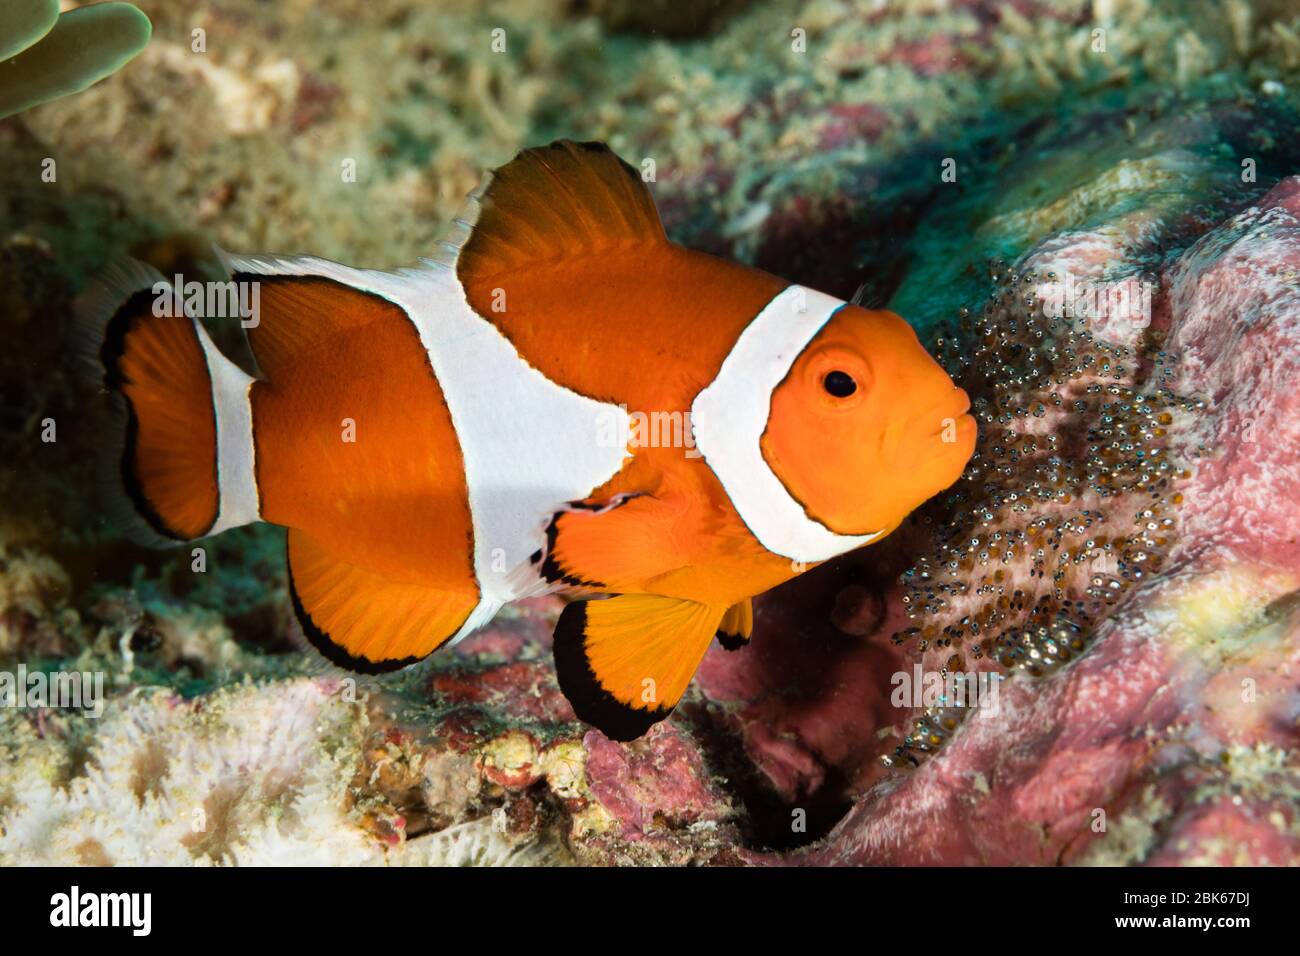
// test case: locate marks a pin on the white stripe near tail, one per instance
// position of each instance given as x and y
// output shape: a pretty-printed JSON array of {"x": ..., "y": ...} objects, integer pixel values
[
  {"x": 236, "y": 450},
  {"x": 181, "y": 463}
]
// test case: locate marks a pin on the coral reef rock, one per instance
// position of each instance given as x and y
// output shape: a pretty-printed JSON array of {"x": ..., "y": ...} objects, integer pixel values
[{"x": 1122, "y": 550}]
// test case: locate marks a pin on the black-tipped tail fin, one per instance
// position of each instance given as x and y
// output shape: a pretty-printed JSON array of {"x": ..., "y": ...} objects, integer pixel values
[{"x": 159, "y": 476}]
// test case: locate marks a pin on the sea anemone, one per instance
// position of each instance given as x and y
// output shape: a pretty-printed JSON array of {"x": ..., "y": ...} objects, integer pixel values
[{"x": 45, "y": 55}]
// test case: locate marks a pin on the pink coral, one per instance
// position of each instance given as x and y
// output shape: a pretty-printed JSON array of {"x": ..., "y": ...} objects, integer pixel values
[{"x": 1183, "y": 714}]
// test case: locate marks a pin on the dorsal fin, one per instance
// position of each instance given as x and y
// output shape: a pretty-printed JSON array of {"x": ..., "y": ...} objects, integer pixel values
[
  {"x": 305, "y": 303},
  {"x": 561, "y": 201}
]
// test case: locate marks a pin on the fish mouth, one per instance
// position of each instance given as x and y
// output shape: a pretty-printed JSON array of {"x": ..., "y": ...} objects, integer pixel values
[
  {"x": 954, "y": 412},
  {"x": 958, "y": 411},
  {"x": 942, "y": 448},
  {"x": 931, "y": 435},
  {"x": 946, "y": 432},
  {"x": 963, "y": 422}
]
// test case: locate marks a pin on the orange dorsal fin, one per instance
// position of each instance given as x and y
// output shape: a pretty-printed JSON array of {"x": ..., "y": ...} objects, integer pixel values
[
  {"x": 304, "y": 305},
  {"x": 563, "y": 201},
  {"x": 625, "y": 662},
  {"x": 366, "y": 621}
]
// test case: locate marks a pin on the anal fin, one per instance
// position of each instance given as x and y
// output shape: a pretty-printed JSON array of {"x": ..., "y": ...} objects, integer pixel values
[
  {"x": 365, "y": 621},
  {"x": 624, "y": 663}
]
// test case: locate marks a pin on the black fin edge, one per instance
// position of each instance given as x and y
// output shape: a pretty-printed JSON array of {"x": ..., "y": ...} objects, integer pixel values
[
  {"x": 585, "y": 146},
  {"x": 731, "y": 642},
  {"x": 110, "y": 354},
  {"x": 591, "y": 702},
  {"x": 327, "y": 648},
  {"x": 596, "y": 146},
  {"x": 551, "y": 570}
]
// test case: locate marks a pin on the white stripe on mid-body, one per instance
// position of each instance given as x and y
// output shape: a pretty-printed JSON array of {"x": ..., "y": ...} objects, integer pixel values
[
  {"x": 730, "y": 415},
  {"x": 237, "y": 498},
  {"x": 529, "y": 444}
]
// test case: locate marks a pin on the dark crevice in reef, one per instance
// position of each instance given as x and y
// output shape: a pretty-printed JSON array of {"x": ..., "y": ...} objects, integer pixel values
[
  {"x": 814, "y": 651},
  {"x": 846, "y": 252},
  {"x": 994, "y": 584},
  {"x": 863, "y": 241},
  {"x": 661, "y": 18},
  {"x": 766, "y": 818}
]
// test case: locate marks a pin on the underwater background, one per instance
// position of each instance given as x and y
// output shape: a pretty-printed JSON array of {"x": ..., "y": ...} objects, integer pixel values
[{"x": 1124, "y": 545}]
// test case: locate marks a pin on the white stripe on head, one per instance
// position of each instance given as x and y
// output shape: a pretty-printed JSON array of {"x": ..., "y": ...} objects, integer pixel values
[
  {"x": 730, "y": 415},
  {"x": 237, "y": 498}
]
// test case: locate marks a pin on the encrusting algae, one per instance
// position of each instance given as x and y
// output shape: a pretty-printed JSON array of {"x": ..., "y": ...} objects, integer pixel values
[{"x": 821, "y": 167}]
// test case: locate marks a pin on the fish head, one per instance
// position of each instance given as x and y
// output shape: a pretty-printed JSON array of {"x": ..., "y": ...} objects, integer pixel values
[{"x": 867, "y": 425}]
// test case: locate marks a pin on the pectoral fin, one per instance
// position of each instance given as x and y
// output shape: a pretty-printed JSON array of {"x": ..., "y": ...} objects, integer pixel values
[
  {"x": 614, "y": 544},
  {"x": 625, "y": 662},
  {"x": 736, "y": 626}
]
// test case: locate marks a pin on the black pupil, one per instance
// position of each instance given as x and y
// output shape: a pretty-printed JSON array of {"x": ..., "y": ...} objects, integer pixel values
[{"x": 840, "y": 384}]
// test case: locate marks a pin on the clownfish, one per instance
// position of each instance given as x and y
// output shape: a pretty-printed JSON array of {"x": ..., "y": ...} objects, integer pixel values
[{"x": 437, "y": 439}]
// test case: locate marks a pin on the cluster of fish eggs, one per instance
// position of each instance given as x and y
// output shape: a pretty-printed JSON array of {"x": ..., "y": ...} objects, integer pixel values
[{"x": 1070, "y": 500}]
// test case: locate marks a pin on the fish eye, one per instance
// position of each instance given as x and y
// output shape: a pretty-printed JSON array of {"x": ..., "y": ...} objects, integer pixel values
[{"x": 840, "y": 384}]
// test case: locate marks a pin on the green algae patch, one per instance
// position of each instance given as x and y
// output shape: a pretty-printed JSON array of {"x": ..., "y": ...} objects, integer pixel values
[
  {"x": 1127, "y": 171},
  {"x": 83, "y": 47}
]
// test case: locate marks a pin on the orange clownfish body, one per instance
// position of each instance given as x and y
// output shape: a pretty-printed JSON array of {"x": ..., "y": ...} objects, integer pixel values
[{"x": 563, "y": 400}]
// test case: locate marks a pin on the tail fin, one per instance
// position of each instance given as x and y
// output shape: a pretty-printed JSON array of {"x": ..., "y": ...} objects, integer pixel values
[{"x": 181, "y": 463}]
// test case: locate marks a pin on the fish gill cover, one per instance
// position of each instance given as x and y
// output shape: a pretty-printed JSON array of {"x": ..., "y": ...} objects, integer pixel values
[{"x": 1090, "y": 211}]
